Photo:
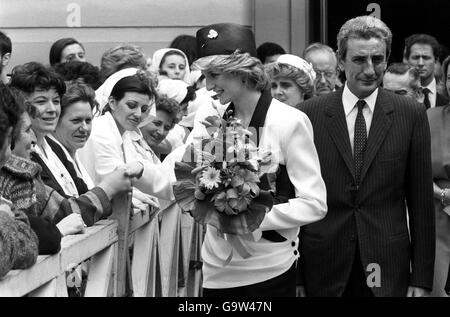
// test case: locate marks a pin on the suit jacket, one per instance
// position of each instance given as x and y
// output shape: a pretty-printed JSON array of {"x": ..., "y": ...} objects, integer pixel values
[
  {"x": 396, "y": 172},
  {"x": 441, "y": 100}
]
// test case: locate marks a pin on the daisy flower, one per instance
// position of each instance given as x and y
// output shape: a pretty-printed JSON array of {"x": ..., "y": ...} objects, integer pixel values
[{"x": 210, "y": 178}]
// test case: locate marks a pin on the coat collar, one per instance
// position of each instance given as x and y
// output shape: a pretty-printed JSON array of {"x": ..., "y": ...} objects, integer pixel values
[{"x": 260, "y": 113}]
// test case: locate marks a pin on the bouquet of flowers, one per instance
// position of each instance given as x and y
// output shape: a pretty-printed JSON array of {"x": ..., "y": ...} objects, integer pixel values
[{"x": 224, "y": 180}]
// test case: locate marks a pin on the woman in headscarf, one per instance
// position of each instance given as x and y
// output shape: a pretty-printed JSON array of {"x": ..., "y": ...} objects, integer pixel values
[
  {"x": 126, "y": 99},
  {"x": 171, "y": 63}
]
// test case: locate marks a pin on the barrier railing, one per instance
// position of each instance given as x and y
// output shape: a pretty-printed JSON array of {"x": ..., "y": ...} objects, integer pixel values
[{"x": 164, "y": 258}]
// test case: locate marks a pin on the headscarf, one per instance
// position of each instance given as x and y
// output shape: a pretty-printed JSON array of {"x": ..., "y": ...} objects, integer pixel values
[
  {"x": 158, "y": 56},
  {"x": 299, "y": 63},
  {"x": 173, "y": 88},
  {"x": 103, "y": 93}
]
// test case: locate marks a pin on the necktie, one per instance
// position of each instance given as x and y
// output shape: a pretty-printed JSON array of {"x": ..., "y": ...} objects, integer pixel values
[
  {"x": 360, "y": 140},
  {"x": 426, "y": 100}
]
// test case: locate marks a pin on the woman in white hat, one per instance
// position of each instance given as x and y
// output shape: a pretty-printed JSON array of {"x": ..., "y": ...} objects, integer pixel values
[
  {"x": 116, "y": 138},
  {"x": 291, "y": 79}
]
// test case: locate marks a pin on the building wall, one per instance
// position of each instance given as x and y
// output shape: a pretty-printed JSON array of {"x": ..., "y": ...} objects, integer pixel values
[{"x": 34, "y": 25}]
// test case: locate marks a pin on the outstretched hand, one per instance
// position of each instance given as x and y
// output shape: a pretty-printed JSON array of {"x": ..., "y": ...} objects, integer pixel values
[{"x": 134, "y": 169}]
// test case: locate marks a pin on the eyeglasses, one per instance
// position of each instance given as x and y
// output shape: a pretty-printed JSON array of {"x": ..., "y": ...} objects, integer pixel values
[{"x": 326, "y": 74}]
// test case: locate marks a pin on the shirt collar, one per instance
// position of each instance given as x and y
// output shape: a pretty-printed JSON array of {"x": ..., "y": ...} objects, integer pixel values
[
  {"x": 349, "y": 100},
  {"x": 431, "y": 86}
]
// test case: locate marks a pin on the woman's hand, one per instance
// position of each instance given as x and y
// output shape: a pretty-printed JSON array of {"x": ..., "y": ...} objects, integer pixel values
[
  {"x": 71, "y": 224},
  {"x": 134, "y": 169},
  {"x": 116, "y": 182}
]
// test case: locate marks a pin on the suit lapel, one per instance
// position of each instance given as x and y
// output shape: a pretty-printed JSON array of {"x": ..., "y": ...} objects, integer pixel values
[
  {"x": 337, "y": 128},
  {"x": 381, "y": 123}
]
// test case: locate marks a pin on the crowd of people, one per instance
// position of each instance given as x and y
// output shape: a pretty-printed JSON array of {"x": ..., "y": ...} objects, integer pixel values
[{"x": 361, "y": 204}]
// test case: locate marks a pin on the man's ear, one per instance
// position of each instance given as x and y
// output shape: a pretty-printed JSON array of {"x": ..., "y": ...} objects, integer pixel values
[{"x": 5, "y": 59}]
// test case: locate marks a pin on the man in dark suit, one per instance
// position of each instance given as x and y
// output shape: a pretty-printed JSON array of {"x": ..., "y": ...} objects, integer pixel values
[
  {"x": 374, "y": 151},
  {"x": 422, "y": 52}
]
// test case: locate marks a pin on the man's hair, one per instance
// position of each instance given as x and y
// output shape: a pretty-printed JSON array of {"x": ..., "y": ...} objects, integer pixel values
[
  {"x": 59, "y": 46},
  {"x": 268, "y": 49},
  {"x": 422, "y": 39},
  {"x": 317, "y": 46},
  {"x": 81, "y": 72},
  {"x": 363, "y": 27},
  {"x": 120, "y": 57},
  {"x": 32, "y": 75},
  {"x": 5, "y": 44},
  {"x": 403, "y": 68}
]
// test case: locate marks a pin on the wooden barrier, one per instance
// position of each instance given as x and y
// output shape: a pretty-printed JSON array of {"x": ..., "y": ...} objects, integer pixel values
[{"x": 165, "y": 258}]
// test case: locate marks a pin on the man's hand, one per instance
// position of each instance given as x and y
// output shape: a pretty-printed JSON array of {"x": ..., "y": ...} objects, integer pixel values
[{"x": 417, "y": 292}]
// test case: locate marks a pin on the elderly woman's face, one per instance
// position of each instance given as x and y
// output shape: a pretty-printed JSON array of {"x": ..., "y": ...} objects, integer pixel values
[
  {"x": 25, "y": 138},
  {"x": 286, "y": 90},
  {"x": 227, "y": 87},
  {"x": 47, "y": 104},
  {"x": 156, "y": 130},
  {"x": 73, "y": 52},
  {"x": 130, "y": 111},
  {"x": 74, "y": 126}
]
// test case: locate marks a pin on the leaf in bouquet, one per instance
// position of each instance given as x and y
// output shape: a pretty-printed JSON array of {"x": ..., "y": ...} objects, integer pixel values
[
  {"x": 184, "y": 194},
  {"x": 240, "y": 204},
  {"x": 183, "y": 171},
  {"x": 243, "y": 223},
  {"x": 237, "y": 180},
  {"x": 232, "y": 193},
  {"x": 198, "y": 194},
  {"x": 254, "y": 190}
]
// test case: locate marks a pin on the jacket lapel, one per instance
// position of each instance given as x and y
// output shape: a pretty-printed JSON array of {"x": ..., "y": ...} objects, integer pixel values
[
  {"x": 381, "y": 123},
  {"x": 337, "y": 128}
]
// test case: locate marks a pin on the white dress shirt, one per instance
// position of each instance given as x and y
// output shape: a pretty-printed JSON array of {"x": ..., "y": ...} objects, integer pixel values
[
  {"x": 432, "y": 95},
  {"x": 349, "y": 101}
]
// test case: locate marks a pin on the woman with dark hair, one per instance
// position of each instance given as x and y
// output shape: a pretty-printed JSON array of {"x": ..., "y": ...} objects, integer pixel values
[
  {"x": 116, "y": 138},
  {"x": 66, "y": 50},
  {"x": 79, "y": 72},
  {"x": 42, "y": 89},
  {"x": 239, "y": 79},
  {"x": 18, "y": 242},
  {"x": 439, "y": 119}
]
